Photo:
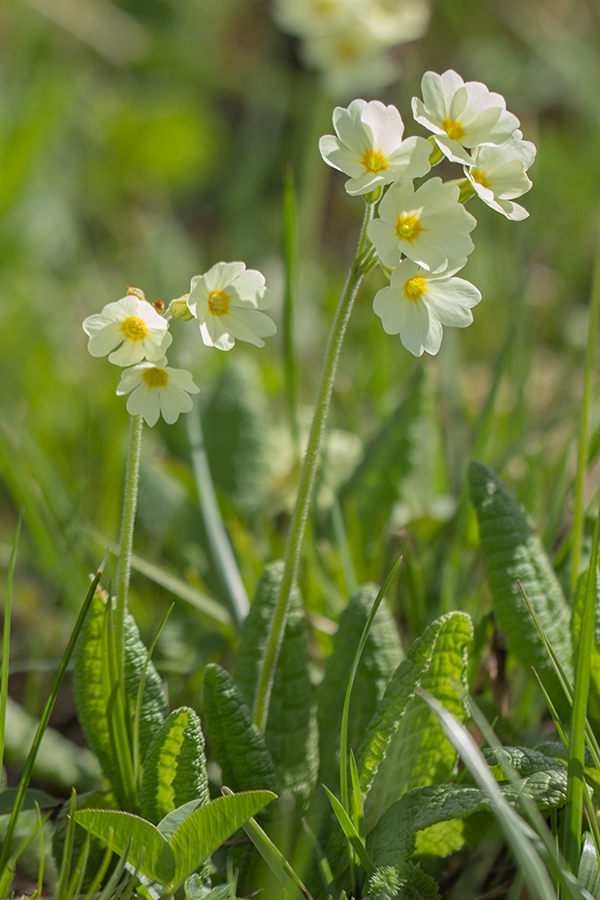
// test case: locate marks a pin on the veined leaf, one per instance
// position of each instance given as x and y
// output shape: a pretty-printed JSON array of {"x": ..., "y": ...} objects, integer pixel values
[
  {"x": 381, "y": 656},
  {"x": 513, "y": 554},
  {"x": 153, "y": 710},
  {"x": 291, "y": 732},
  {"x": 202, "y": 832},
  {"x": 150, "y": 852},
  {"x": 404, "y": 746},
  {"x": 170, "y": 862},
  {"x": 238, "y": 746},
  {"x": 175, "y": 766}
]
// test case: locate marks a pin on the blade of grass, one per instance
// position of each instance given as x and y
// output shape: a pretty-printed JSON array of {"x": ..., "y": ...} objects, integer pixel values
[
  {"x": 6, "y": 634},
  {"x": 517, "y": 832},
  {"x": 290, "y": 256},
  {"x": 275, "y": 860},
  {"x": 584, "y": 428},
  {"x": 358, "y": 810},
  {"x": 583, "y": 667},
  {"x": 67, "y": 854},
  {"x": 220, "y": 546},
  {"x": 58, "y": 678},
  {"x": 350, "y": 832}
]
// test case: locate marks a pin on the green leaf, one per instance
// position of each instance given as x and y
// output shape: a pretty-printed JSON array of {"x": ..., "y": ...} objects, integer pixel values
[
  {"x": 238, "y": 746},
  {"x": 202, "y": 832},
  {"x": 175, "y": 766},
  {"x": 404, "y": 745},
  {"x": 393, "y": 840},
  {"x": 407, "y": 882},
  {"x": 153, "y": 710},
  {"x": 291, "y": 731},
  {"x": 588, "y": 873},
  {"x": 513, "y": 554},
  {"x": 149, "y": 850},
  {"x": 31, "y": 798},
  {"x": 350, "y": 831},
  {"x": 90, "y": 687},
  {"x": 381, "y": 656},
  {"x": 170, "y": 862}
]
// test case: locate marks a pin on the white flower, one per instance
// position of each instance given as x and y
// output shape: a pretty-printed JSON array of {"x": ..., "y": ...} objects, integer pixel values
[
  {"x": 397, "y": 21},
  {"x": 369, "y": 147},
  {"x": 310, "y": 18},
  {"x": 156, "y": 389},
  {"x": 226, "y": 302},
  {"x": 417, "y": 304},
  {"x": 133, "y": 326},
  {"x": 349, "y": 60},
  {"x": 462, "y": 114},
  {"x": 428, "y": 225},
  {"x": 498, "y": 175}
]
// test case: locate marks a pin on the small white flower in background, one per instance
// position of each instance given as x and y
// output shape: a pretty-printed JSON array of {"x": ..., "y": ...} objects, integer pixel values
[
  {"x": 498, "y": 175},
  {"x": 310, "y": 18},
  {"x": 133, "y": 326},
  {"x": 462, "y": 115},
  {"x": 417, "y": 304},
  {"x": 398, "y": 21},
  {"x": 227, "y": 301},
  {"x": 156, "y": 389},
  {"x": 428, "y": 225},
  {"x": 369, "y": 147},
  {"x": 350, "y": 59}
]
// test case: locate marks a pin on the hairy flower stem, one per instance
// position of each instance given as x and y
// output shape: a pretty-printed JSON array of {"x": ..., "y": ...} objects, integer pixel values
[
  {"x": 127, "y": 524},
  {"x": 363, "y": 262}
]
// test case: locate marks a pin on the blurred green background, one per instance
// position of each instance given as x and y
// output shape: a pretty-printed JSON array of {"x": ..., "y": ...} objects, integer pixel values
[{"x": 141, "y": 141}]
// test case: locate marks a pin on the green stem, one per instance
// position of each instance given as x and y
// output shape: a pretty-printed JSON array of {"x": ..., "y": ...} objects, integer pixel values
[
  {"x": 362, "y": 263},
  {"x": 130, "y": 493},
  {"x": 584, "y": 429}
]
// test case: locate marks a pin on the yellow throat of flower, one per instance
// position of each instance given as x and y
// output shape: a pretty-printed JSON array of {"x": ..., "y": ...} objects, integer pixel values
[
  {"x": 415, "y": 288},
  {"x": 408, "y": 228},
  {"x": 155, "y": 378},
  {"x": 453, "y": 129},
  {"x": 133, "y": 329},
  {"x": 374, "y": 161},
  {"x": 218, "y": 303}
]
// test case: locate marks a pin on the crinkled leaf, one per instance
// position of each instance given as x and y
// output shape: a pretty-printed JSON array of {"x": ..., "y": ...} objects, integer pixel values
[
  {"x": 417, "y": 751},
  {"x": 175, "y": 766},
  {"x": 238, "y": 746},
  {"x": 90, "y": 687},
  {"x": 513, "y": 554},
  {"x": 291, "y": 730},
  {"x": 393, "y": 839}
]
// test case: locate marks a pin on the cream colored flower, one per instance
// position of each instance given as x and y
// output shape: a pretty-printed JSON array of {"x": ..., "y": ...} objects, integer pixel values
[
  {"x": 156, "y": 389},
  {"x": 129, "y": 327},
  {"x": 369, "y": 147},
  {"x": 428, "y": 225},
  {"x": 227, "y": 302},
  {"x": 417, "y": 304},
  {"x": 498, "y": 175}
]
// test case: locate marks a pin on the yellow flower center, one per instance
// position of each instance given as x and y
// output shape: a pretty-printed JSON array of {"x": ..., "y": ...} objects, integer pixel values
[
  {"x": 133, "y": 329},
  {"x": 218, "y": 303},
  {"x": 479, "y": 176},
  {"x": 155, "y": 378},
  {"x": 415, "y": 288},
  {"x": 374, "y": 161},
  {"x": 408, "y": 228},
  {"x": 454, "y": 130}
]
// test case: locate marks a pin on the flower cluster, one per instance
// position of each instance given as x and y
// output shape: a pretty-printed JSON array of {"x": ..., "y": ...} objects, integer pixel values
[
  {"x": 227, "y": 304},
  {"x": 421, "y": 236},
  {"x": 348, "y": 41}
]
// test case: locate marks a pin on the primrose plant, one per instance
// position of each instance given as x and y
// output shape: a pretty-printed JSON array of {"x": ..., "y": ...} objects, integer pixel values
[{"x": 262, "y": 721}]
